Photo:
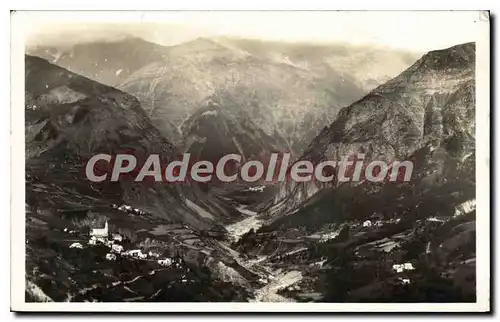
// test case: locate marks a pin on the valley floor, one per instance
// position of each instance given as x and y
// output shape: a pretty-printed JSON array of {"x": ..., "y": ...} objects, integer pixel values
[{"x": 353, "y": 261}]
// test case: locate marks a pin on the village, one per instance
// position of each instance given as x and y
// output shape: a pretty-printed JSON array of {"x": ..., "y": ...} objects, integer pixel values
[{"x": 114, "y": 241}]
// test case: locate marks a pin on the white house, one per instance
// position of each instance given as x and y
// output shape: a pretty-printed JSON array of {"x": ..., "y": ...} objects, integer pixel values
[
  {"x": 92, "y": 240},
  {"x": 110, "y": 257},
  {"x": 165, "y": 262},
  {"x": 136, "y": 253},
  {"x": 100, "y": 232},
  {"x": 367, "y": 223},
  {"x": 116, "y": 248},
  {"x": 151, "y": 254},
  {"x": 408, "y": 266},
  {"x": 404, "y": 280},
  {"x": 465, "y": 207},
  {"x": 403, "y": 267},
  {"x": 117, "y": 237},
  {"x": 259, "y": 188},
  {"x": 76, "y": 245}
]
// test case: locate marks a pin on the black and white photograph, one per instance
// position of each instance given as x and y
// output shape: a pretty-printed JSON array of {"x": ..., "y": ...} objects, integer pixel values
[{"x": 276, "y": 160}]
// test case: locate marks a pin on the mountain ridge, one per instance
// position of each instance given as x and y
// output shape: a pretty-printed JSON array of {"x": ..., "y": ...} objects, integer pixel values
[
  {"x": 69, "y": 118},
  {"x": 365, "y": 127}
]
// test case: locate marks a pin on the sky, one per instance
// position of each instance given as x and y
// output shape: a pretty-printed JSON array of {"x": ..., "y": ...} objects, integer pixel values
[{"x": 410, "y": 30}]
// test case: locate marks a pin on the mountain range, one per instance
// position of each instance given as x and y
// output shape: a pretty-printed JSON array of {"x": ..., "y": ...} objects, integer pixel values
[
  {"x": 424, "y": 115},
  {"x": 293, "y": 241},
  {"x": 289, "y": 90}
]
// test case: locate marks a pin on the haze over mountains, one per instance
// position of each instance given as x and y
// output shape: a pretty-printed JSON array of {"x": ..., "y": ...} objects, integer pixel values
[
  {"x": 290, "y": 90},
  {"x": 287, "y": 242}
]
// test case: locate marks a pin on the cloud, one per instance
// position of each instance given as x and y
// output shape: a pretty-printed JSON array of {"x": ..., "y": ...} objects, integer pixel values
[{"x": 411, "y": 30}]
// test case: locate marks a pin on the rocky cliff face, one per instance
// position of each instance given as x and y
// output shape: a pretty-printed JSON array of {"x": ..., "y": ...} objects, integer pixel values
[
  {"x": 430, "y": 105},
  {"x": 277, "y": 96},
  {"x": 357, "y": 233},
  {"x": 69, "y": 118},
  {"x": 212, "y": 132}
]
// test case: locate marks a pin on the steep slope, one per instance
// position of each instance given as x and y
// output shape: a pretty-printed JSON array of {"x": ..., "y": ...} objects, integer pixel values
[
  {"x": 275, "y": 95},
  {"x": 109, "y": 63},
  {"x": 348, "y": 239},
  {"x": 212, "y": 132},
  {"x": 429, "y": 104},
  {"x": 69, "y": 118}
]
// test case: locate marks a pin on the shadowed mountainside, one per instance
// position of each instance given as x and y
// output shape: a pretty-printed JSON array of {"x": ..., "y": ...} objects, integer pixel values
[{"x": 69, "y": 118}]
